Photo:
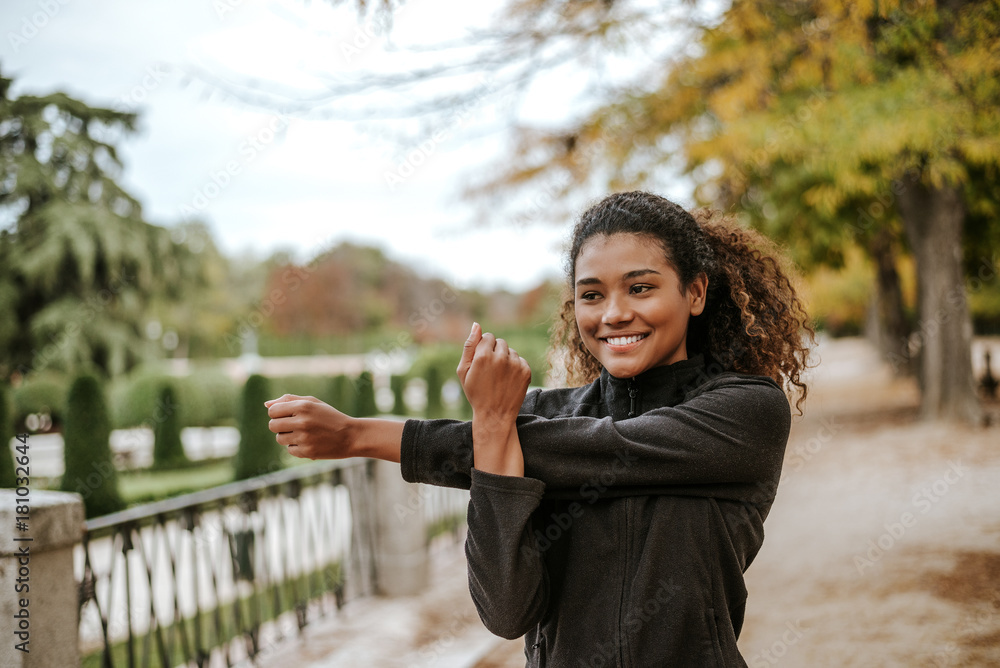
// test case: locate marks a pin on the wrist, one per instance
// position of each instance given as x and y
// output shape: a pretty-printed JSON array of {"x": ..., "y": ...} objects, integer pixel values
[
  {"x": 374, "y": 438},
  {"x": 496, "y": 447}
]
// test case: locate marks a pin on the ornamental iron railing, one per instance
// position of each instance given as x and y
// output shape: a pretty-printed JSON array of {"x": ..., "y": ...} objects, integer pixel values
[{"x": 220, "y": 577}]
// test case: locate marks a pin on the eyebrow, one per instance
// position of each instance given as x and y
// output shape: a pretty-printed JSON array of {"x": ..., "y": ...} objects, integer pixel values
[{"x": 632, "y": 274}]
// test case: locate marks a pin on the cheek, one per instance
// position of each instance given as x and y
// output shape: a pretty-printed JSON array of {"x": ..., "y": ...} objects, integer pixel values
[{"x": 587, "y": 322}]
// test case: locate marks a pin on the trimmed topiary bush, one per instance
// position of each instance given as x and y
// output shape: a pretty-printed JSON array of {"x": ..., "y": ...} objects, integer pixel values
[
  {"x": 464, "y": 407},
  {"x": 8, "y": 478},
  {"x": 342, "y": 395},
  {"x": 90, "y": 470},
  {"x": 365, "y": 406},
  {"x": 435, "y": 404},
  {"x": 398, "y": 386},
  {"x": 258, "y": 453},
  {"x": 168, "y": 451}
]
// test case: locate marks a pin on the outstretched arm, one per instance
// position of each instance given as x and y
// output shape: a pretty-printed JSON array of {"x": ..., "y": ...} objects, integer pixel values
[
  {"x": 733, "y": 434},
  {"x": 499, "y": 546},
  {"x": 312, "y": 429},
  {"x": 494, "y": 377}
]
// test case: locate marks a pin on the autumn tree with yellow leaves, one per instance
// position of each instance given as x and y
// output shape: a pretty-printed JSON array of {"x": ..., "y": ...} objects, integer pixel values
[{"x": 826, "y": 123}]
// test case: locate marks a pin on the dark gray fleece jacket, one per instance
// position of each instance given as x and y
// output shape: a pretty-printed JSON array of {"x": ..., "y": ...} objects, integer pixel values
[{"x": 642, "y": 505}]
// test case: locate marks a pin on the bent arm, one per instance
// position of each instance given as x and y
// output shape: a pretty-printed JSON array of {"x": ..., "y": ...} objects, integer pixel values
[
  {"x": 735, "y": 433},
  {"x": 506, "y": 572}
]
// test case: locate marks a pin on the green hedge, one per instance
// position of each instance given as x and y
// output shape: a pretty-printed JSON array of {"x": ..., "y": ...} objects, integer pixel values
[
  {"x": 41, "y": 393},
  {"x": 304, "y": 386},
  {"x": 208, "y": 398},
  {"x": 205, "y": 398}
]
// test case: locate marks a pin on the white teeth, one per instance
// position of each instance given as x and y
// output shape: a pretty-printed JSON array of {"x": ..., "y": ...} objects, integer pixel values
[{"x": 625, "y": 340}]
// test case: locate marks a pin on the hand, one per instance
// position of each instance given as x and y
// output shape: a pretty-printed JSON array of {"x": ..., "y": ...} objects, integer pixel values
[
  {"x": 310, "y": 428},
  {"x": 495, "y": 378}
]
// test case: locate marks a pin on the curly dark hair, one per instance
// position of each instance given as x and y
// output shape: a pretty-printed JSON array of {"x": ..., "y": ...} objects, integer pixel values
[{"x": 753, "y": 320}]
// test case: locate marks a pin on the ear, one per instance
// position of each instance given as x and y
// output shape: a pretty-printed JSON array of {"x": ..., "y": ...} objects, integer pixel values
[{"x": 696, "y": 292}]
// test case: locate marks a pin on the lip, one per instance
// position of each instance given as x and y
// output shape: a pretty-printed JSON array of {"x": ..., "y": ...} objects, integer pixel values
[{"x": 626, "y": 347}]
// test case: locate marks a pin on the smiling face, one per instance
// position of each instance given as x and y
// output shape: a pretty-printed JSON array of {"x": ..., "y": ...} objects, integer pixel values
[{"x": 631, "y": 308}]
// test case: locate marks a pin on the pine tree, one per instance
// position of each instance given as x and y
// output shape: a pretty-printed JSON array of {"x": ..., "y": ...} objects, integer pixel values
[
  {"x": 258, "y": 452},
  {"x": 90, "y": 470},
  {"x": 168, "y": 450},
  {"x": 78, "y": 263}
]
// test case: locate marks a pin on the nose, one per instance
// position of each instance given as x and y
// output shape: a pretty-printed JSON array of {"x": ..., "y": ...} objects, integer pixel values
[{"x": 617, "y": 311}]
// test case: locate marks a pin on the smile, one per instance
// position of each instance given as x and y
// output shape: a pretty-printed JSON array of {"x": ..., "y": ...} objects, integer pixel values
[{"x": 623, "y": 341}]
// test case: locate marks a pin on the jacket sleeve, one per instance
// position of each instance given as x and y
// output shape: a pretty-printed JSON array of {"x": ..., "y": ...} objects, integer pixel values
[
  {"x": 733, "y": 433},
  {"x": 506, "y": 572}
]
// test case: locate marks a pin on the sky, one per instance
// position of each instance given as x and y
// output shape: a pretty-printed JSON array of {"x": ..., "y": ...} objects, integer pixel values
[{"x": 264, "y": 180}]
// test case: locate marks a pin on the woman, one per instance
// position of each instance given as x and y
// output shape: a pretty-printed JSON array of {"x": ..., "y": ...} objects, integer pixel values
[{"x": 611, "y": 523}]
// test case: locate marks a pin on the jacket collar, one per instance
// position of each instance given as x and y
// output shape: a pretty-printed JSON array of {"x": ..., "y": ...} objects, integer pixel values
[{"x": 659, "y": 386}]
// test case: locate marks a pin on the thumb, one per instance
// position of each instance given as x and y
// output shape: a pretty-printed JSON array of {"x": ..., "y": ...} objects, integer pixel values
[{"x": 469, "y": 351}]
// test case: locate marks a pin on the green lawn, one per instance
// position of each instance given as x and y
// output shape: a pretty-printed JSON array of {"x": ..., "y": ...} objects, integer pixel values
[{"x": 146, "y": 486}]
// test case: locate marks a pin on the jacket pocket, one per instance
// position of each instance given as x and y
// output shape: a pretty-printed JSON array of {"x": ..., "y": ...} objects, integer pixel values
[{"x": 713, "y": 632}]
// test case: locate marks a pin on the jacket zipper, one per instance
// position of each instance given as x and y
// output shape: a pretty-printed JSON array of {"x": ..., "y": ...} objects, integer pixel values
[
  {"x": 633, "y": 392},
  {"x": 626, "y": 598}
]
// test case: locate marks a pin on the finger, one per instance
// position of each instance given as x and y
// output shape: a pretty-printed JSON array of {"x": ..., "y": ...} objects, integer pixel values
[
  {"x": 283, "y": 397},
  {"x": 502, "y": 349},
  {"x": 286, "y": 439},
  {"x": 280, "y": 425},
  {"x": 285, "y": 408},
  {"x": 469, "y": 351},
  {"x": 486, "y": 344}
]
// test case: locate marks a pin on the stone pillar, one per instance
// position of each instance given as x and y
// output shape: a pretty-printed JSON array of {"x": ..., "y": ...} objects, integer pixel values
[
  {"x": 38, "y": 591},
  {"x": 400, "y": 537}
]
